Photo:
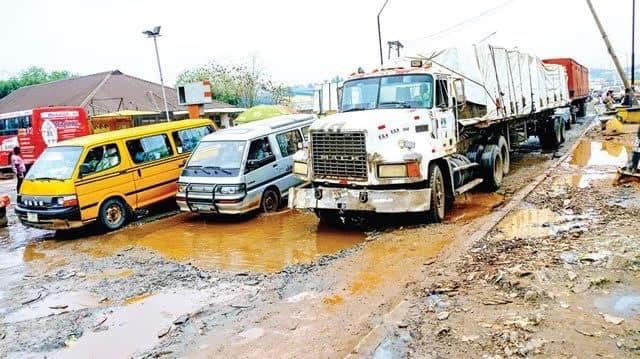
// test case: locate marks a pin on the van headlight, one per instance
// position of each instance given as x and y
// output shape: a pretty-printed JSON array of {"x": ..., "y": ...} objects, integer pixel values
[
  {"x": 182, "y": 187},
  {"x": 411, "y": 169},
  {"x": 300, "y": 168},
  {"x": 230, "y": 190}
]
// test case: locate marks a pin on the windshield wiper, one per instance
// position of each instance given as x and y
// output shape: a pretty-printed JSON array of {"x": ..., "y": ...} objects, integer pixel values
[
  {"x": 216, "y": 168},
  {"x": 355, "y": 109},
  {"x": 48, "y": 179},
  {"x": 399, "y": 103},
  {"x": 199, "y": 168}
]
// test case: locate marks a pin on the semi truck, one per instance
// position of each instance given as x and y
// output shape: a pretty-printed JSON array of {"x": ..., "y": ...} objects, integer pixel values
[
  {"x": 577, "y": 82},
  {"x": 413, "y": 135}
]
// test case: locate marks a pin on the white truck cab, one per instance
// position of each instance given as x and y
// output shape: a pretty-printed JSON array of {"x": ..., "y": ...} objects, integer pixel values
[{"x": 379, "y": 152}]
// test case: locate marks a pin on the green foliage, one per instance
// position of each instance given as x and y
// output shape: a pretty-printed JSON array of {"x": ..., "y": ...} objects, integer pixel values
[
  {"x": 236, "y": 84},
  {"x": 32, "y": 76}
]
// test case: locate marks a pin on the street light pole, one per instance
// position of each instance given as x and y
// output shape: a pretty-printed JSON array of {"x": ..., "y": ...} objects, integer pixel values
[
  {"x": 379, "y": 33},
  {"x": 154, "y": 34},
  {"x": 633, "y": 45}
]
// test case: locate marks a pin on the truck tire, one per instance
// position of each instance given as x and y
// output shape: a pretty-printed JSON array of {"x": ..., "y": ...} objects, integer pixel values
[
  {"x": 562, "y": 133},
  {"x": 582, "y": 109},
  {"x": 492, "y": 168},
  {"x": 506, "y": 156},
  {"x": 550, "y": 138},
  {"x": 437, "y": 210},
  {"x": 113, "y": 214}
]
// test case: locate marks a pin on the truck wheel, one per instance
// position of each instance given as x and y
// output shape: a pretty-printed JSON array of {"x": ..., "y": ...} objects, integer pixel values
[
  {"x": 492, "y": 168},
  {"x": 438, "y": 197},
  {"x": 113, "y": 214},
  {"x": 506, "y": 156},
  {"x": 582, "y": 109},
  {"x": 562, "y": 133},
  {"x": 270, "y": 201}
]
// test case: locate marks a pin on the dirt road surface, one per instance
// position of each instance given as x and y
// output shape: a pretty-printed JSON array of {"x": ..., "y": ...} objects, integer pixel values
[{"x": 284, "y": 286}]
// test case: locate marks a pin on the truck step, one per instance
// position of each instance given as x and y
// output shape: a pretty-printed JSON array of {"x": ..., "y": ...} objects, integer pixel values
[
  {"x": 468, "y": 186},
  {"x": 464, "y": 167}
]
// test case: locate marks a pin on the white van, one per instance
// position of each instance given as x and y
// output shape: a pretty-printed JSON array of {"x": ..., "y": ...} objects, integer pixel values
[{"x": 243, "y": 168}]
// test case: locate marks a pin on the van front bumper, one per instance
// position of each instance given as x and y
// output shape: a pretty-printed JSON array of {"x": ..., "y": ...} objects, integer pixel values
[
  {"x": 217, "y": 206},
  {"x": 53, "y": 219},
  {"x": 367, "y": 200}
]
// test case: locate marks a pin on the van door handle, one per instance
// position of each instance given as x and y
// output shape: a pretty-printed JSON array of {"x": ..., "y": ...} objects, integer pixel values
[
  {"x": 139, "y": 173},
  {"x": 275, "y": 165}
]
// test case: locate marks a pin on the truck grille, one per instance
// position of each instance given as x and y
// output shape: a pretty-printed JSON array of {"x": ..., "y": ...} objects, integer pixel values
[{"x": 339, "y": 155}]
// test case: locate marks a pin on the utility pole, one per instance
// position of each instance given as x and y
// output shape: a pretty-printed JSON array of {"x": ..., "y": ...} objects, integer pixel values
[
  {"x": 616, "y": 62},
  {"x": 379, "y": 33},
  {"x": 154, "y": 33}
]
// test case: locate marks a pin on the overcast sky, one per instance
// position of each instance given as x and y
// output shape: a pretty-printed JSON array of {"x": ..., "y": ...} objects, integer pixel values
[{"x": 295, "y": 41}]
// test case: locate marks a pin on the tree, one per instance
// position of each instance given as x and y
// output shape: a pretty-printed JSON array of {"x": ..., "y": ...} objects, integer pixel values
[
  {"x": 236, "y": 84},
  {"x": 32, "y": 76}
]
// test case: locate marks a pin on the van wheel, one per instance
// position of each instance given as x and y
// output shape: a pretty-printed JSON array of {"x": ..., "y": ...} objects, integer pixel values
[
  {"x": 113, "y": 214},
  {"x": 438, "y": 197},
  {"x": 492, "y": 168},
  {"x": 270, "y": 201}
]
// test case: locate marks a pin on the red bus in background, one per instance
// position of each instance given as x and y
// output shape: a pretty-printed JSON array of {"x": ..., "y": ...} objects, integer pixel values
[{"x": 36, "y": 129}]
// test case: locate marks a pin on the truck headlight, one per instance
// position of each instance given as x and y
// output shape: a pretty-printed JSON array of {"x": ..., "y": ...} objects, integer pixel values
[
  {"x": 230, "y": 190},
  {"x": 411, "y": 169},
  {"x": 300, "y": 168}
]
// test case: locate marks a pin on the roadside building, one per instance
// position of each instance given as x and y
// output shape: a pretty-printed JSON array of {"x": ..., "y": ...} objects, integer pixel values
[{"x": 109, "y": 92}]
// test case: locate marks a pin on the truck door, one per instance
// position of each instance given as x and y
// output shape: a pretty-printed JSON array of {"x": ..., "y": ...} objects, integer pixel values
[{"x": 445, "y": 128}]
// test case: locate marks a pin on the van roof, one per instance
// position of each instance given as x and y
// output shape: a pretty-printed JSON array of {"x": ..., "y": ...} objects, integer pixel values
[
  {"x": 260, "y": 128},
  {"x": 133, "y": 132}
]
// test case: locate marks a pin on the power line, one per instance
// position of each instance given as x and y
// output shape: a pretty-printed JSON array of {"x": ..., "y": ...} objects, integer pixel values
[{"x": 469, "y": 20}]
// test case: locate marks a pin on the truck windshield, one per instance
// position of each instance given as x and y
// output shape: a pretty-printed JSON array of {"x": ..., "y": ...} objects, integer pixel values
[
  {"x": 216, "y": 159},
  {"x": 57, "y": 163},
  {"x": 398, "y": 91}
]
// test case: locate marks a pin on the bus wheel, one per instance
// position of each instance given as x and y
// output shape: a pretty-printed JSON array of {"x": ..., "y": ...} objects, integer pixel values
[
  {"x": 270, "y": 201},
  {"x": 113, "y": 214},
  {"x": 436, "y": 213}
]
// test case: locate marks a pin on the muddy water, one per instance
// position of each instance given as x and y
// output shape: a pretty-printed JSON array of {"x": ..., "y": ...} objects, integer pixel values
[
  {"x": 527, "y": 223},
  {"x": 599, "y": 154},
  {"x": 266, "y": 243},
  {"x": 473, "y": 205}
]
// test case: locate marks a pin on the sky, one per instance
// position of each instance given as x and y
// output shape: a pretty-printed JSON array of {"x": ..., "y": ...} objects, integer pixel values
[{"x": 295, "y": 41}]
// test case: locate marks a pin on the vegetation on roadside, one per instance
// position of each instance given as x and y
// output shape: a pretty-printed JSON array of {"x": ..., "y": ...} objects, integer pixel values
[
  {"x": 243, "y": 85},
  {"x": 32, "y": 76}
]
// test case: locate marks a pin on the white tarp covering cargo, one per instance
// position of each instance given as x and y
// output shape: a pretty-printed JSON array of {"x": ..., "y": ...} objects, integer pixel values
[{"x": 508, "y": 82}]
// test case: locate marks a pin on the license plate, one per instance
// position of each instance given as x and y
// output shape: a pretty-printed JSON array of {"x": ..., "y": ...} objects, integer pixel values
[
  {"x": 203, "y": 207},
  {"x": 32, "y": 217}
]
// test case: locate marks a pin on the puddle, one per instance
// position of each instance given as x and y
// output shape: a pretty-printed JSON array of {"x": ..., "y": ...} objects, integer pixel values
[
  {"x": 52, "y": 305},
  {"x": 527, "y": 222},
  {"x": 134, "y": 328},
  {"x": 600, "y": 154},
  {"x": 537, "y": 223},
  {"x": 265, "y": 243},
  {"x": 584, "y": 180},
  {"x": 137, "y": 298},
  {"x": 473, "y": 205},
  {"x": 624, "y": 304}
]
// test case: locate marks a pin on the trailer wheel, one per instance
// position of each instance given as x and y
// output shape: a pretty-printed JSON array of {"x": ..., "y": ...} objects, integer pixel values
[
  {"x": 582, "y": 109},
  {"x": 436, "y": 213},
  {"x": 492, "y": 168},
  {"x": 506, "y": 156},
  {"x": 562, "y": 133},
  {"x": 550, "y": 137}
]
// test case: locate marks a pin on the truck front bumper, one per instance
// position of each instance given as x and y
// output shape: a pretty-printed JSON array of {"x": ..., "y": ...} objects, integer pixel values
[{"x": 347, "y": 199}]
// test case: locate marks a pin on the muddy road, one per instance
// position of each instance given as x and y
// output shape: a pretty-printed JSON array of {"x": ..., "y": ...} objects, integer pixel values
[{"x": 279, "y": 285}]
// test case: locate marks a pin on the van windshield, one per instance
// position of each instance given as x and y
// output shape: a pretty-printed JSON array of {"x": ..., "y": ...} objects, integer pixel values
[
  {"x": 216, "y": 159},
  {"x": 55, "y": 163}
]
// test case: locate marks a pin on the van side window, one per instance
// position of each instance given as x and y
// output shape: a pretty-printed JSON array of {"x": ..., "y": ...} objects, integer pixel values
[
  {"x": 101, "y": 158},
  {"x": 260, "y": 154},
  {"x": 150, "y": 148},
  {"x": 288, "y": 142},
  {"x": 186, "y": 140}
]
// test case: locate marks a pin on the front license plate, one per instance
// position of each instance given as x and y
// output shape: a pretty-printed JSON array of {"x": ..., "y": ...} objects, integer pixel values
[
  {"x": 32, "y": 217},
  {"x": 203, "y": 207}
]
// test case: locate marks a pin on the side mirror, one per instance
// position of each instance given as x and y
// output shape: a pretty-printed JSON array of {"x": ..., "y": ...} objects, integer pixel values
[
  {"x": 253, "y": 163},
  {"x": 84, "y": 169}
]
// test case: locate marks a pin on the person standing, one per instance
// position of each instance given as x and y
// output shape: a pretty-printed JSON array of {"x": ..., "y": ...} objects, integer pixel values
[
  {"x": 18, "y": 167},
  {"x": 635, "y": 157},
  {"x": 608, "y": 101}
]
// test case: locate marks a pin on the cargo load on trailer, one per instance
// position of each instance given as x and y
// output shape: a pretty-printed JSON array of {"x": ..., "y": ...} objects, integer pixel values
[{"x": 412, "y": 136}]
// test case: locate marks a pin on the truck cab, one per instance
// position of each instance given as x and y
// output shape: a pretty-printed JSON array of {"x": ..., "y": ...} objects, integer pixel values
[{"x": 383, "y": 152}]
